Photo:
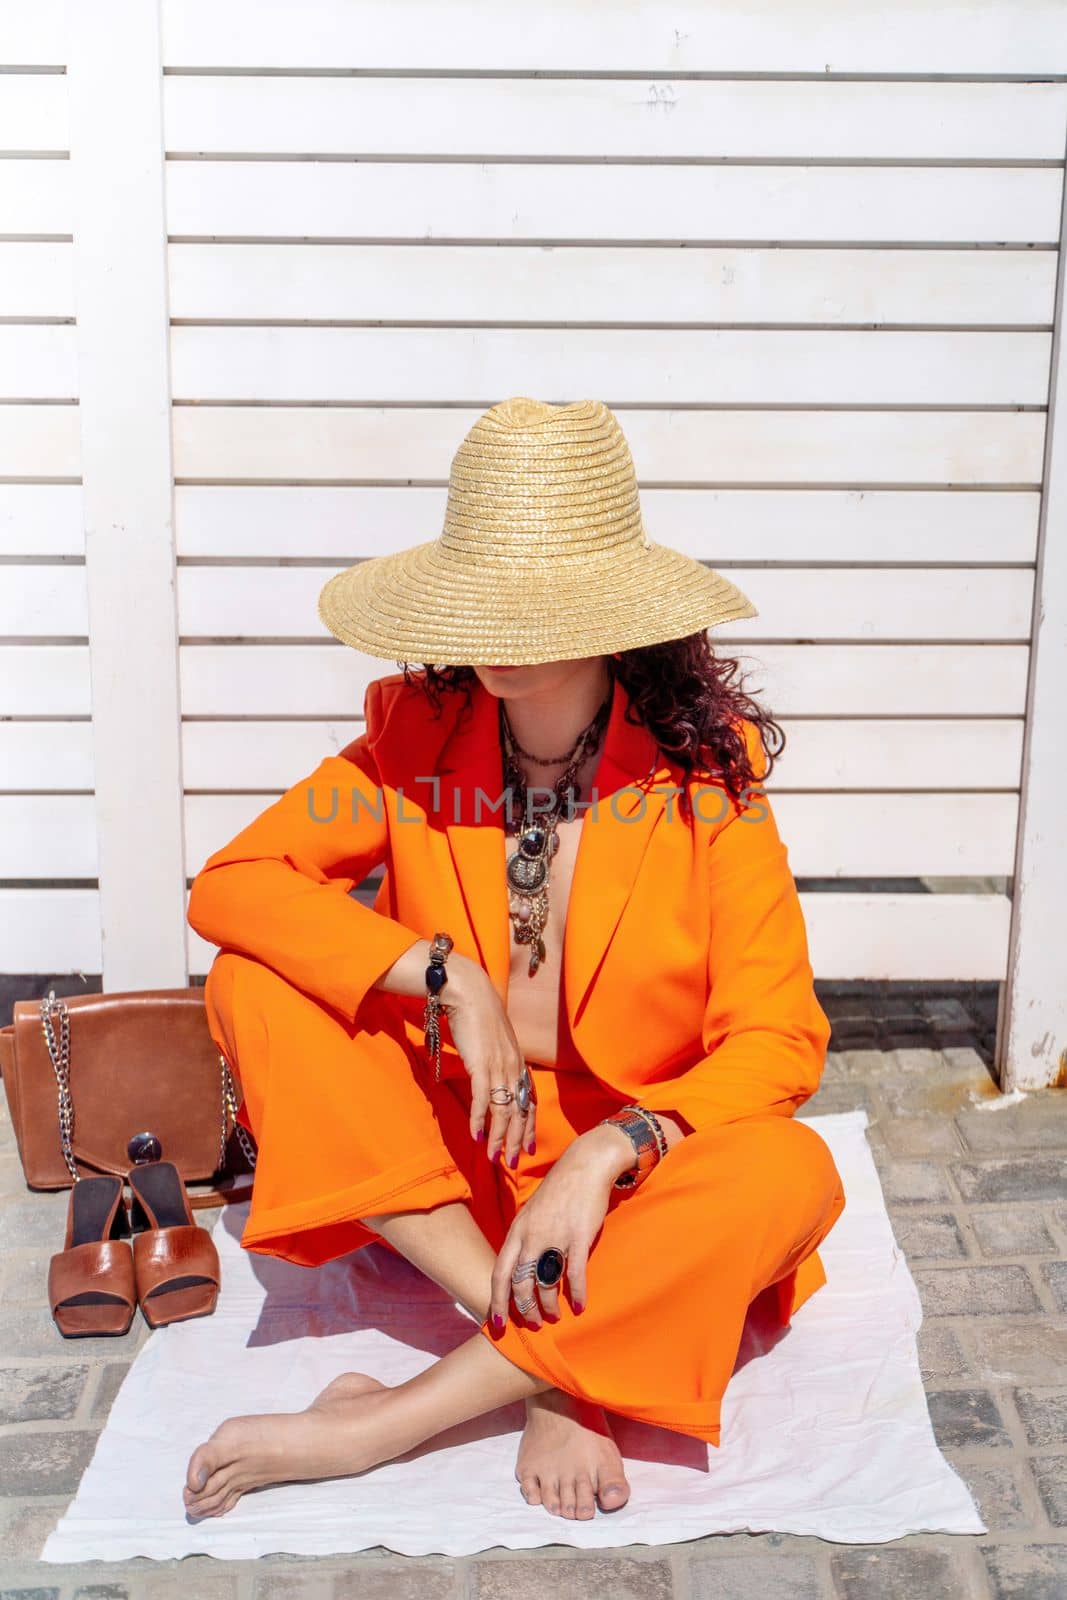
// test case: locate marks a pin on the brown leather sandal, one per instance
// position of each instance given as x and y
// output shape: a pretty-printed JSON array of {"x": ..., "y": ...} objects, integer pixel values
[
  {"x": 176, "y": 1263},
  {"x": 91, "y": 1289}
]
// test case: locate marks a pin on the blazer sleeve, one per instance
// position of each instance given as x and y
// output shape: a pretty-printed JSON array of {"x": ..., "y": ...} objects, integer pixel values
[
  {"x": 279, "y": 891},
  {"x": 764, "y": 1033}
]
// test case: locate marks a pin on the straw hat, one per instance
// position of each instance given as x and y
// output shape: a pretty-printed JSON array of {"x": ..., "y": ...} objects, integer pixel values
[{"x": 543, "y": 556}]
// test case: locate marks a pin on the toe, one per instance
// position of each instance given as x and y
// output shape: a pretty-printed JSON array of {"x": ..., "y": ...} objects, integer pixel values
[
  {"x": 202, "y": 1463},
  {"x": 568, "y": 1500},
  {"x": 584, "y": 1502},
  {"x": 531, "y": 1490},
  {"x": 550, "y": 1497},
  {"x": 613, "y": 1494}
]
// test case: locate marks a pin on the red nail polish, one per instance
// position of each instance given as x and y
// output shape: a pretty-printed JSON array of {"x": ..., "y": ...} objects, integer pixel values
[
  {"x": 579, "y": 1307},
  {"x": 498, "y": 1323},
  {"x": 531, "y": 1149},
  {"x": 513, "y": 1163},
  {"x": 480, "y": 1135},
  {"x": 496, "y": 1155}
]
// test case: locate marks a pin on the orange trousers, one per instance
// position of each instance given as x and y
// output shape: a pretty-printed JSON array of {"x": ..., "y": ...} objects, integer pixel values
[{"x": 349, "y": 1124}]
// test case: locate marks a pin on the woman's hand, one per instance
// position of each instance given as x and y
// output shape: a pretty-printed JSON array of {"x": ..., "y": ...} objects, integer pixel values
[
  {"x": 482, "y": 1033},
  {"x": 565, "y": 1212}
]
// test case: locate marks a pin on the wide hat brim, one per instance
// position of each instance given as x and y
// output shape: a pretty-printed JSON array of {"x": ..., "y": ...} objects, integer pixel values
[{"x": 429, "y": 605}]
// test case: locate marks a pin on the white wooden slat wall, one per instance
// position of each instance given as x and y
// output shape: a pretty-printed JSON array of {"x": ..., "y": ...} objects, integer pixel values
[{"x": 807, "y": 253}]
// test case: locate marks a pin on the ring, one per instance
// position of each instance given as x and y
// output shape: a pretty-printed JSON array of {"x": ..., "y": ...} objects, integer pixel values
[
  {"x": 525, "y": 1306},
  {"x": 503, "y": 1089},
  {"x": 525, "y": 1269},
  {"x": 549, "y": 1269},
  {"x": 524, "y": 1096}
]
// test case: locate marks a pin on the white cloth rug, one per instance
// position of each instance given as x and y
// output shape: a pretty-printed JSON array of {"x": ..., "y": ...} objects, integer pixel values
[{"x": 825, "y": 1428}]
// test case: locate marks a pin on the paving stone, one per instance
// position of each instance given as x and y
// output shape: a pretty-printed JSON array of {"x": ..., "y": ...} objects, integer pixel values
[
  {"x": 571, "y": 1578},
  {"x": 109, "y": 1382},
  {"x": 934, "y": 1235},
  {"x": 43, "y": 1463},
  {"x": 1039, "y": 1122},
  {"x": 29, "y": 1330},
  {"x": 973, "y": 1291},
  {"x": 715, "y": 1577},
  {"x": 907, "y": 1182},
  {"x": 40, "y": 1394},
  {"x": 101, "y": 1591},
  {"x": 866, "y": 1572},
  {"x": 996, "y": 1491},
  {"x": 965, "y": 1417},
  {"x": 193, "y": 1578},
  {"x": 831, "y": 1098},
  {"x": 1026, "y": 1571},
  {"x": 305, "y": 1583},
  {"x": 1050, "y": 1475},
  {"x": 1034, "y": 1351},
  {"x": 34, "y": 1219},
  {"x": 1043, "y": 1413},
  {"x": 29, "y": 1594},
  {"x": 872, "y": 1065},
  {"x": 932, "y": 1082},
  {"x": 945, "y": 1014},
  {"x": 26, "y": 1275},
  {"x": 29, "y": 1526},
  {"x": 1020, "y": 1232},
  {"x": 1055, "y": 1275},
  {"x": 1028, "y": 1178},
  {"x": 940, "y": 1353},
  {"x": 928, "y": 1135},
  {"x": 391, "y": 1580}
]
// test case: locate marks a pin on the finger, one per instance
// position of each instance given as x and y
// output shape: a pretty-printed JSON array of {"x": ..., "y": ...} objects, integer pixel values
[
  {"x": 576, "y": 1285},
  {"x": 550, "y": 1301},
  {"x": 500, "y": 1118},
  {"x": 500, "y": 1288},
  {"x": 530, "y": 1136},
  {"x": 515, "y": 1135},
  {"x": 479, "y": 1101},
  {"x": 524, "y": 1291}
]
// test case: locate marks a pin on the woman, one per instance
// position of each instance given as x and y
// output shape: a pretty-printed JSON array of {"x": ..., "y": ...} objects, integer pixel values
[{"x": 559, "y": 1080}]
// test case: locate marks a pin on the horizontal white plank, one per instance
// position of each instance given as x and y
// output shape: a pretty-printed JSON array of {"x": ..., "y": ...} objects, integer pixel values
[
  {"x": 330, "y": 680},
  {"x": 828, "y": 835},
  {"x": 34, "y": 36},
  {"x": 717, "y": 525},
  {"x": 942, "y": 937},
  {"x": 46, "y": 755},
  {"x": 47, "y": 836},
  {"x": 50, "y": 931},
  {"x": 759, "y": 447},
  {"x": 38, "y": 362},
  {"x": 35, "y": 196},
  {"x": 614, "y": 283},
  {"x": 626, "y": 366},
  {"x": 820, "y": 36},
  {"x": 898, "y": 936},
  {"x": 37, "y": 279},
  {"x": 44, "y": 680},
  {"x": 33, "y": 110},
  {"x": 44, "y": 601},
  {"x": 902, "y": 603},
  {"x": 621, "y": 118},
  {"x": 41, "y": 519},
  {"x": 425, "y": 201},
  {"x": 39, "y": 441},
  {"x": 831, "y": 754}
]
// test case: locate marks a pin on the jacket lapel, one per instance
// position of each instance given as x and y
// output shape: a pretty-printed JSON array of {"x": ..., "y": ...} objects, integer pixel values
[{"x": 617, "y": 824}]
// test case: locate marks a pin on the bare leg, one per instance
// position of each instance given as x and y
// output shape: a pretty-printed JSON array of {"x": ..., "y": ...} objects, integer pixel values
[
  {"x": 354, "y": 1424},
  {"x": 568, "y": 1460},
  {"x": 567, "y": 1456}
]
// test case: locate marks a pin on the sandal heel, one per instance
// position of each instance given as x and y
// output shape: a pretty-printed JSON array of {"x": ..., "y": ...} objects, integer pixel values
[{"x": 176, "y": 1264}]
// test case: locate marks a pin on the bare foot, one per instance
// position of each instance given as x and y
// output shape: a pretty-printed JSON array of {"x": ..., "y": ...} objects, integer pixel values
[
  {"x": 250, "y": 1452},
  {"x": 568, "y": 1460}
]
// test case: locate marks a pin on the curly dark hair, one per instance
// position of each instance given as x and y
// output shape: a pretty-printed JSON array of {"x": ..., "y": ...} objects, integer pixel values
[{"x": 690, "y": 700}]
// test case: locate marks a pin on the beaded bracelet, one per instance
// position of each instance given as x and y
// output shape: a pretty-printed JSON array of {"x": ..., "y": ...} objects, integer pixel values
[{"x": 436, "y": 978}]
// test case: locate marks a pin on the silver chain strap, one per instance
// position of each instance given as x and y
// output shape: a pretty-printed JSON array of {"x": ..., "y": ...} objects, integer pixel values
[
  {"x": 229, "y": 1105},
  {"x": 59, "y": 1055}
]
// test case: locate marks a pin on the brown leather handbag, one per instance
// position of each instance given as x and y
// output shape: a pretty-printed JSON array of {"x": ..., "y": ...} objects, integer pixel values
[{"x": 98, "y": 1083}]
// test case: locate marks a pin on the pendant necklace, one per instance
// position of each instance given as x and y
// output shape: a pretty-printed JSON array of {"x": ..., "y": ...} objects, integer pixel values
[{"x": 538, "y": 839}]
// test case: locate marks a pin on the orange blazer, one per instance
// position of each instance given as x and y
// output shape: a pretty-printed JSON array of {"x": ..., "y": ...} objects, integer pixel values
[{"x": 686, "y": 977}]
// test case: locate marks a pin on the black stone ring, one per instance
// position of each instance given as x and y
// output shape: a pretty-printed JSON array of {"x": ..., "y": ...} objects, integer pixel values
[{"x": 550, "y": 1264}]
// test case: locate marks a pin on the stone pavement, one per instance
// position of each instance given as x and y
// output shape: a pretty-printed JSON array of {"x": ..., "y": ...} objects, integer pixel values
[{"x": 978, "y": 1201}]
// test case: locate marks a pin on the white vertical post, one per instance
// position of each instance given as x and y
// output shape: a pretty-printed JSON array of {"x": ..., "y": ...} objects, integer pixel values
[
  {"x": 120, "y": 264},
  {"x": 1035, "y": 1027}
]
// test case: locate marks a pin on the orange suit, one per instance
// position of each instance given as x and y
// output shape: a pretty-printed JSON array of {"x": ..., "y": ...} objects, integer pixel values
[{"x": 686, "y": 987}]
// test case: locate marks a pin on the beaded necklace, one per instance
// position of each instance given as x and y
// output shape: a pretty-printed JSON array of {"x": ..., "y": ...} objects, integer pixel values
[{"x": 538, "y": 839}]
